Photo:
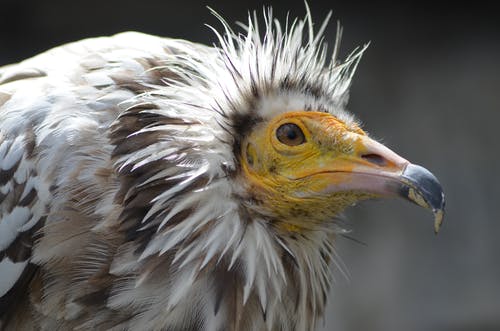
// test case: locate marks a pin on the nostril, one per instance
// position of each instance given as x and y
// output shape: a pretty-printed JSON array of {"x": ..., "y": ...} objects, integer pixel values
[{"x": 375, "y": 159}]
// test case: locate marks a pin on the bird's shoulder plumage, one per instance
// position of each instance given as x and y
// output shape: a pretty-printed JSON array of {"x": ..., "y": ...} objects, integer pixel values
[{"x": 57, "y": 159}]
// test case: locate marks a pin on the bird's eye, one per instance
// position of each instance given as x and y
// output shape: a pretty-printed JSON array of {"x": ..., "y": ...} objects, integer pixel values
[{"x": 290, "y": 134}]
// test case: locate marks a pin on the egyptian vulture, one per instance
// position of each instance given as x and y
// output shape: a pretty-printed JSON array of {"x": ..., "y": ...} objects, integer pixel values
[{"x": 150, "y": 183}]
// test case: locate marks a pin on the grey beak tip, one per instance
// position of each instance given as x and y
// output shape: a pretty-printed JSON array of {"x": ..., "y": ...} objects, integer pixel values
[{"x": 427, "y": 184}]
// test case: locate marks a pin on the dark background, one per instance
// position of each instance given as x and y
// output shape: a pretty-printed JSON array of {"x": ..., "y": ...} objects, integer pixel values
[{"x": 428, "y": 86}]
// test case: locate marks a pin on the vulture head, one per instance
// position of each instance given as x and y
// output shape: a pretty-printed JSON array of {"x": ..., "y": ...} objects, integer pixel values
[
  {"x": 175, "y": 186},
  {"x": 300, "y": 169}
]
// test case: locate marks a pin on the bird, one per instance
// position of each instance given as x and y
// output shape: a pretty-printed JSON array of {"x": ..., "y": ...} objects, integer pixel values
[{"x": 150, "y": 183}]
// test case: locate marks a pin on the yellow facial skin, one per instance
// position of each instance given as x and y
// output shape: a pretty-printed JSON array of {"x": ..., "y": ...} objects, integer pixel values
[{"x": 308, "y": 181}]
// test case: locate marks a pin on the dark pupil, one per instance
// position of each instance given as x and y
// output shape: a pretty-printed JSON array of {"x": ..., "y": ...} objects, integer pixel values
[{"x": 290, "y": 134}]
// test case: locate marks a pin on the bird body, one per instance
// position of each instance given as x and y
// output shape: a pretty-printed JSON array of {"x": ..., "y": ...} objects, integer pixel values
[{"x": 148, "y": 183}]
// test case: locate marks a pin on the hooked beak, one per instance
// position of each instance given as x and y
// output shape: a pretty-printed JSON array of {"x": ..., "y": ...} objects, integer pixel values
[
  {"x": 375, "y": 169},
  {"x": 420, "y": 186}
]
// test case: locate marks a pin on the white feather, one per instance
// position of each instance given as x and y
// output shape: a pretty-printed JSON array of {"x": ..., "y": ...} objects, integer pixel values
[
  {"x": 10, "y": 272},
  {"x": 10, "y": 225},
  {"x": 14, "y": 154}
]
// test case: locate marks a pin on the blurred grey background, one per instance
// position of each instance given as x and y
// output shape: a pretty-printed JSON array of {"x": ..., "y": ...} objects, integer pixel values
[{"x": 428, "y": 86}]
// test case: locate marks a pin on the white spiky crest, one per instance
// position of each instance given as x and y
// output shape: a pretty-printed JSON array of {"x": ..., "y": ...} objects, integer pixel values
[
  {"x": 288, "y": 67},
  {"x": 281, "y": 70},
  {"x": 248, "y": 75}
]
